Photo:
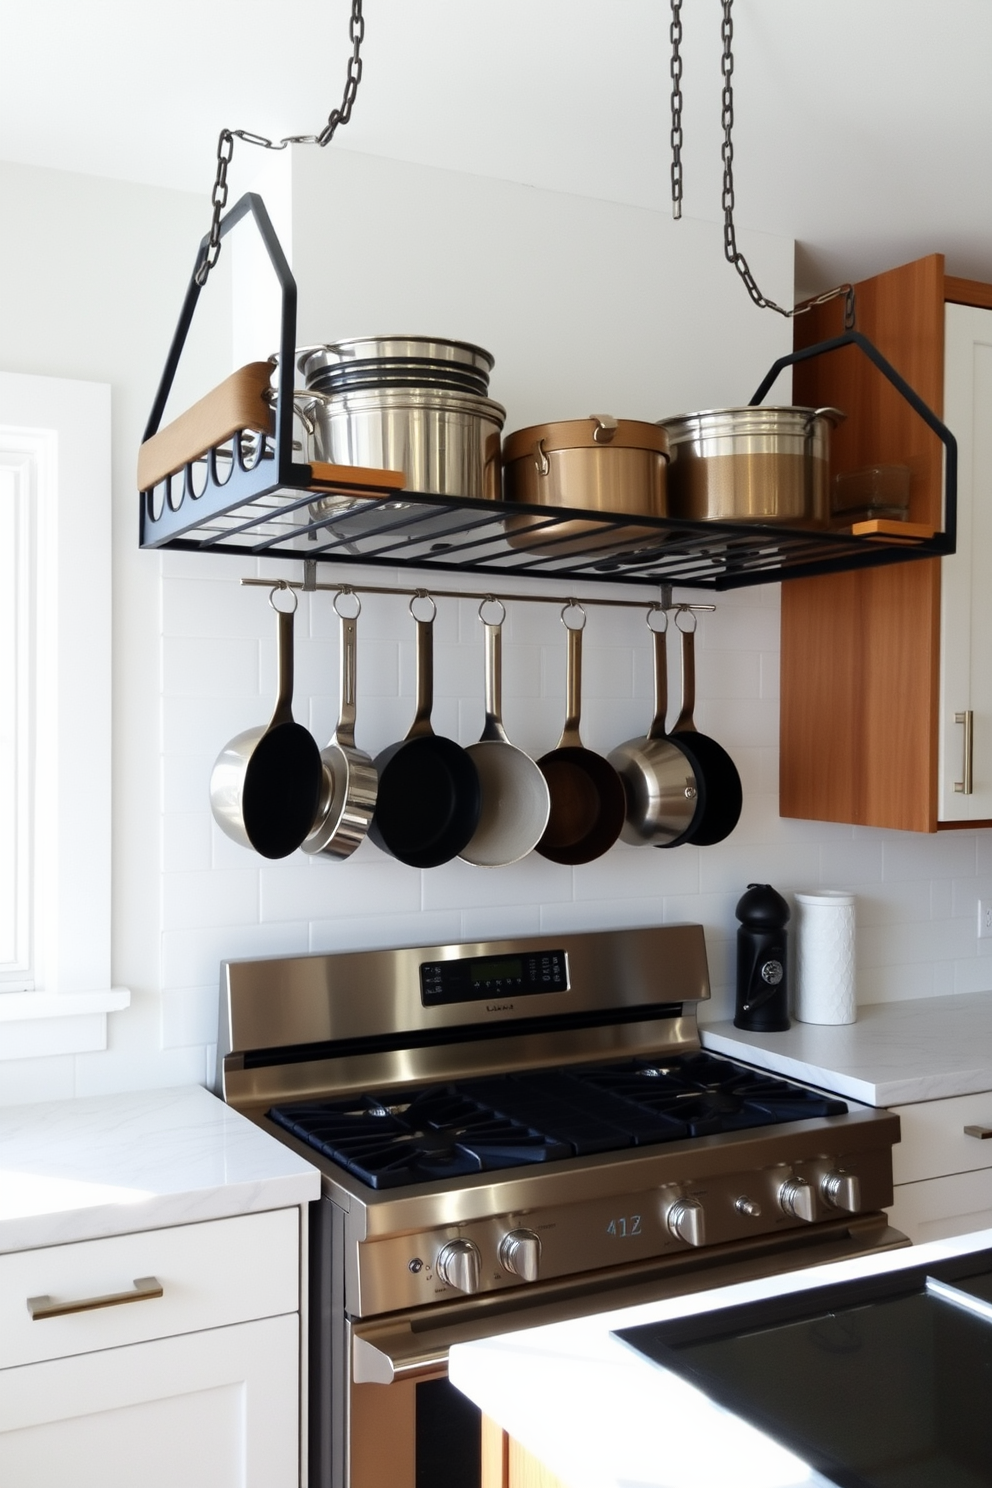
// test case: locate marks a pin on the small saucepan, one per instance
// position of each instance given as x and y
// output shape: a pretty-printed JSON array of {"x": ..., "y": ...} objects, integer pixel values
[
  {"x": 515, "y": 798},
  {"x": 429, "y": 799},
  {"x": 664, "y": 802},
  {"x": 587, "y": 799},
  {"x": 265, "y": 785},
  {"x": 347, "y": 797},
  {"x": 716, "y": 773}
]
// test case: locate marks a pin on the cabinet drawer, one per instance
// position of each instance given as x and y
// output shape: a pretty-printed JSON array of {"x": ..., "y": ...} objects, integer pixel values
[
  {"x": 223, "y": 1271},
  {"x": 939, "y": 1207},
  {"x": 934, "y": 1141}
]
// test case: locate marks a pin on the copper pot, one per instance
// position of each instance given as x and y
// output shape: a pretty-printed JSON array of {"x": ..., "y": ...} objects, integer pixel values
[{"x": 613, "y": 467}]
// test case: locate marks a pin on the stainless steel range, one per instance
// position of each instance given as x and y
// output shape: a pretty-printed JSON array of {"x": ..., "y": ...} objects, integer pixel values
[{"x": 512, "y": 1132}]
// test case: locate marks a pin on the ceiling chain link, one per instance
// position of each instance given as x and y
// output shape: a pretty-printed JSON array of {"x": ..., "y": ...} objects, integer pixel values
[
  {"x": 732, "y": 252},
  {"x": 225, "y": 142},
  {"x": 675, "y": 35}
]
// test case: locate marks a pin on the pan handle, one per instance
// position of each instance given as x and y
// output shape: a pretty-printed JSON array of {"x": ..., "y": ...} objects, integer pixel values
[
  {"x": 283, "y": 712},
  {"x": 902, "y": 387},
  {"x": 344, "y": 733},
  {"x": 493, "y": 730},
  {"x": 684, "y": 724},
  {"x": 573, "y": 679},
  {"x": 421, "y": 727},
  {"x": 657, "y": 727}
]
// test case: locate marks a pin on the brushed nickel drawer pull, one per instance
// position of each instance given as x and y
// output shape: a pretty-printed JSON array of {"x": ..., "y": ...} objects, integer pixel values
[
  {"x": 965, "y": 787},
  {"x": 145, "y": 1287},
  {"x": 981, "y": 1132}
]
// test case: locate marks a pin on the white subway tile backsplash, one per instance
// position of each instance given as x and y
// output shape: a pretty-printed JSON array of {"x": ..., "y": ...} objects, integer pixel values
[
  {"x": 210, "y": 667},
  {"x": 191, "y": 901},
  {"x": 189, "y": 1016},
  {"x": 916, "y": 896},
  {"x": 186, "y": 841}
]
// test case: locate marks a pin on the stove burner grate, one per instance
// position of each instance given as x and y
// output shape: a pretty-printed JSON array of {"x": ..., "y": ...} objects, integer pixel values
[{"x": 392, "y": 1138}]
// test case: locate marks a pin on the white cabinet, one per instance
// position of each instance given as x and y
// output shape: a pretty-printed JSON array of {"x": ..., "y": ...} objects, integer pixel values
[
  {"x": 943, "y": 1172},
  {"x": 198, "y": 1386},
  {"x": 966, "y": 591}
]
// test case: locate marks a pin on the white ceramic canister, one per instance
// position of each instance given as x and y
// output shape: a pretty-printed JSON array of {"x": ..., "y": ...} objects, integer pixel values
[{"x": 825, "y": 957}]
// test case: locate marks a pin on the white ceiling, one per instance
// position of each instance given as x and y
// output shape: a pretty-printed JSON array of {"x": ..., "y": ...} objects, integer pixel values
[{"x": 864, "y": 127}]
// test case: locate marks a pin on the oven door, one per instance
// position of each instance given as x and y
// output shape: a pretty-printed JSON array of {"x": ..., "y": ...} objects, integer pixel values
[{"x": 401, "y": 1422}]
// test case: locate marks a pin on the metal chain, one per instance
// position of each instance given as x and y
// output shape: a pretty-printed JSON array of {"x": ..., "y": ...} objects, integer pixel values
[
  {"x": 675, "y": 35},
  {"x": 730, "y": 248},
  {"x": 225, "y": 142}
]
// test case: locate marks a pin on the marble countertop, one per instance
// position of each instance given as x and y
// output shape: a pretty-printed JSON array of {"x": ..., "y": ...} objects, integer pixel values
[
  {"x": 598, "y": 1415},
  {"x": 896, "y": 1052},
  {"x": 114, "y": 1164}
]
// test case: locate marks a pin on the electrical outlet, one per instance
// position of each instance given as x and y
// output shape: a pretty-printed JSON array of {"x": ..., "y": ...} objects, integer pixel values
[{"x": 984, "y": 919}]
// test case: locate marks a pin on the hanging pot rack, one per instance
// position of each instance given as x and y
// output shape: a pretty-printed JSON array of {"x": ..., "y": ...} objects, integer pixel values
[{"x": 245, "y": 493}]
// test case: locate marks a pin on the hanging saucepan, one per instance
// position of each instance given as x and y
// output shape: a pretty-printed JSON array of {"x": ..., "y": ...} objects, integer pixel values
[
  {"x": 515, "y": 798},
  {"x": 265, "y": 786},
  {"x": 716, "y": 774},
  {"x": 347, "y": 797},
  {"x": 587, "y": 799},
  {"x": 429, "y": 800},
  {"x": 664, "y": 802}
]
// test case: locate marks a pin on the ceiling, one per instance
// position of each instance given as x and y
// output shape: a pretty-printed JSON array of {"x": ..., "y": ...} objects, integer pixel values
[{"x": 863, "y": 127}]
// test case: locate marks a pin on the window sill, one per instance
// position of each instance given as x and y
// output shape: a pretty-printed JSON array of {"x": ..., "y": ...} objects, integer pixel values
[
  {"x": 17, "y": 1007},
  {"x": 36, "y": 1025}
]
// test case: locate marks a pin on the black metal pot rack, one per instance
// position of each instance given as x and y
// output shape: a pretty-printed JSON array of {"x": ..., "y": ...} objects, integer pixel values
[{"x": 250, "y": 497}]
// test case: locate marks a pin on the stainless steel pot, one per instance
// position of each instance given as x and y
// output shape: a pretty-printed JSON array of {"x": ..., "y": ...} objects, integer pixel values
[
  {"x": 751, "y": 465},
  {"x": 446, "y": 442}
]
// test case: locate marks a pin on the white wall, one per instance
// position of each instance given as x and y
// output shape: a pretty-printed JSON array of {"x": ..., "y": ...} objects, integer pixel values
[{"x": 587, "y": 306}]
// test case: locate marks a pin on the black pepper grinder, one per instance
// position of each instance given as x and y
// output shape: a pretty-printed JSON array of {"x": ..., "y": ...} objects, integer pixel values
[{"x": 762, "y": 984}]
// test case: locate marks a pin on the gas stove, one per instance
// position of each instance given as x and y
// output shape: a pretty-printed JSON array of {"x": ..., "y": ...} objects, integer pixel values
[{"x": 518, "y": 1130}]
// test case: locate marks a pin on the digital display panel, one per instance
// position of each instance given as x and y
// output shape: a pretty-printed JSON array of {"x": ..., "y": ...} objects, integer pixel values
[{"x": 478, "y": 978}]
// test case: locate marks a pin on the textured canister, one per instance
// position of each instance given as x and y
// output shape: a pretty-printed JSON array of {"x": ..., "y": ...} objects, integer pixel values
[{"x": 825, "y": 957}]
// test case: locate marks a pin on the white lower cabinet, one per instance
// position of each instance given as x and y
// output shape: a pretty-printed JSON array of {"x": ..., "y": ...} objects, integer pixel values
[
  {"x": 942, "y": 1168},
  {"x": 203, "y": 1410},
  {"x": 189, "y": 1378}
]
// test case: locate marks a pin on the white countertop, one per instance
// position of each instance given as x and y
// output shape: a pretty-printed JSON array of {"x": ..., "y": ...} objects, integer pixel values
[
  {"x": 896, "y": 1052},
  {"x": 113, "y": 1164},
  {"x": 599, "y": 1415}
]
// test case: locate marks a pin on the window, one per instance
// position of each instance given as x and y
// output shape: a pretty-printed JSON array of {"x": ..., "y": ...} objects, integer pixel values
[{"x": 55, "y": 606}]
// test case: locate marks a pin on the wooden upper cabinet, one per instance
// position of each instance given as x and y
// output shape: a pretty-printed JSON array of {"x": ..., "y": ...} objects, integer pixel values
[{"x": 861, "y": 651}]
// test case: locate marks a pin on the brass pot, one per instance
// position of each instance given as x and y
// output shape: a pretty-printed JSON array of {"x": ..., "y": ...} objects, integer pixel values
[
  {"x": 751, "y": 465},
  {"x": 613, "y": 467}
]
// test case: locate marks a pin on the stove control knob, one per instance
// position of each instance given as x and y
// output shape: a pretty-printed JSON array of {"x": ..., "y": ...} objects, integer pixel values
[
  {"x": 796, "y": 1199},
  {"x": 686, "y": 1221},
  {"x": 520, "y": 1254},
  {"x": 459, "y": 1265},
  {"x": 842, "y": 1191}
]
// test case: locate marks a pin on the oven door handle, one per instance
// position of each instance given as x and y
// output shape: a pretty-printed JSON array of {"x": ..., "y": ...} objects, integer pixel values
[{"x": 387, "y": 1364}]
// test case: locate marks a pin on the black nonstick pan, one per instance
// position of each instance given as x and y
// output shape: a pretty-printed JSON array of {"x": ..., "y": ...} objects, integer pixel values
[
  {"x": 429, "y": 799},
  {"x": 587, "y": 799},
  {"x": 265, "y": 785},
  {"x": 716, "y": 773}
]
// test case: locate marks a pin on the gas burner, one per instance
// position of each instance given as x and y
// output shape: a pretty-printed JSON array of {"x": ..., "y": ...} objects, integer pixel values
[
  {"x": 508, "y": 1120},
  {"x": 434, "y": 1133}
]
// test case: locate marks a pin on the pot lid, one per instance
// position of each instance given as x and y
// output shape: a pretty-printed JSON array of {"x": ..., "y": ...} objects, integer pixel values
[
  {"x": 310, "y": 359},
  {"x": 759, "y": 418},
  {"x": 598, "y": 431}
]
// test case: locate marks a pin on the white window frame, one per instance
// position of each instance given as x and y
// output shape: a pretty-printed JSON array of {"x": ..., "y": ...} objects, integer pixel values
[{"x": 55, "y": 437}]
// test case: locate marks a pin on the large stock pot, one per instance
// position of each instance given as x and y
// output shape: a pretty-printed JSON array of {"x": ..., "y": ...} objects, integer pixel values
[{"x": 753, "y": 464}]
